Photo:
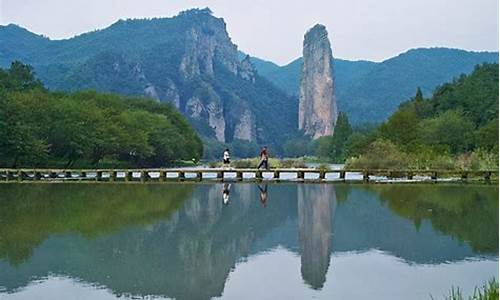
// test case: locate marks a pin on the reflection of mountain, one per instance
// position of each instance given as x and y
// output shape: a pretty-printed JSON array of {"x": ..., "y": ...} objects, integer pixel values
[
  {"x": 188, "y": 252},
  {"x": 316, "y": 208}
]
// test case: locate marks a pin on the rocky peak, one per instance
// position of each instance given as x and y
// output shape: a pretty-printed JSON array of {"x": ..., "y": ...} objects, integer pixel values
[
  {"x": 206, "y": 43},
  {"x": 246, "y": 69},
  {"x": 317, "y": 104}
]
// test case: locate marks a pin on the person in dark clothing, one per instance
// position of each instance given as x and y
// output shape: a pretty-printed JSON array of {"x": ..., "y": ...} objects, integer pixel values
[
  {"x": 263, "y": 195},
  {"x": 225, "y": 158},
  {"x": 264, "y": 158}
]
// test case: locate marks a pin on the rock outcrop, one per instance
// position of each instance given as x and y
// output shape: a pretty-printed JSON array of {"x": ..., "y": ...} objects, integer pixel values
[
  {"x": 188, "y": 61},
  {"x": 317, "y": 104}
]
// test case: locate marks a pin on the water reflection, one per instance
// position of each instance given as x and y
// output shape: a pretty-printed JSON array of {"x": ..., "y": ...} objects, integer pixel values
[
  {"x": 315, "y": 209},
  {"x": 263, "y": 194},
  {"x": 181, "y": 241},
  {"x": 225, "y": 193}
]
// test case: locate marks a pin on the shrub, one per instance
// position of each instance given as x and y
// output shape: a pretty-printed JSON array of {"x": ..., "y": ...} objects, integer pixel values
[
  {"x": 292, "y": 163},
  {"x": 381, "y": 154}
]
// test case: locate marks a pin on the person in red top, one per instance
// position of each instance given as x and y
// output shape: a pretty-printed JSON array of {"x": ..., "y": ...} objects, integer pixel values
[{"x": 264, "y": 157}]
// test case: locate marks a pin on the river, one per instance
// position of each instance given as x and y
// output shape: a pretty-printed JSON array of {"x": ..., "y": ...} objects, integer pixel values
[{"x": 245, "y": 241}]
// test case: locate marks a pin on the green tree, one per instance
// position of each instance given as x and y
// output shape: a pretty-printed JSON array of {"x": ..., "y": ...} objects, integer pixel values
[
  {"x": 402, "y": 128},
  {"x": 450, "y": 129},
  {"x": 341, "y": 134}
]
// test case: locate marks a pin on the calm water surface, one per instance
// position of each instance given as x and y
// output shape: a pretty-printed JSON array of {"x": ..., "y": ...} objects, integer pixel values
[{"x": 275, "y": 241}]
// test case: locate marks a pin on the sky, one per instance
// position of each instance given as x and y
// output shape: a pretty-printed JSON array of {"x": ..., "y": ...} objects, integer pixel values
[{"x": 274, "y": 29}]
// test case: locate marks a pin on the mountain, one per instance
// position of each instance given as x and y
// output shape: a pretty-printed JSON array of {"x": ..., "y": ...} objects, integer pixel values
[
  {"x": 188, "y": 60},
  {"x": 369, "y": 92},
  {"x": 317, "y": 105}
]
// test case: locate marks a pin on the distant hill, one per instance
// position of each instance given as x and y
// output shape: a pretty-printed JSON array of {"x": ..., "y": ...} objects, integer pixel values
[
  {"x": 188, "y": 60},
  {"x": 369, "y": 92}
]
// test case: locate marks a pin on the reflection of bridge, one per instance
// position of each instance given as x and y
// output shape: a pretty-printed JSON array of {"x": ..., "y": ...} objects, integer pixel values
[
  {"x": 190, "y": 253},
  {"x": 300, "y": 174}
]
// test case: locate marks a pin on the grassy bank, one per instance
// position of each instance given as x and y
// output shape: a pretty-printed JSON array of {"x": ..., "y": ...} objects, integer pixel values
[{"x": 488, "y": 291}]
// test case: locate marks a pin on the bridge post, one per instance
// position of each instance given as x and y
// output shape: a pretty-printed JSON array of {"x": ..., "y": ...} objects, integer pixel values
[
  {"x": 129, "y": 176},
  {"x": 67, "y": 174},
  {"x": 258, "y": 175},
  {"x": 38, "y": 175},
  {"x": 366, "y": 176},
  {"x": 99, "y": 175},
  {"x": 487, "y": 176},
  {"x": 276, "y": 175},
  {"x": 409, "y": 175},
  {"x": 113, "y": 175},
  {"x": 322, "y": 175},
  {"x": 163, "y": 175},
  {"x": 434, "y": 175},
  {"x": 239, "y": 175},
  {"x": 464, "y": 176},
  {"x": 300, "y": 175},
  {"x": 182, "y": 175},
  {"x": 342, "y": 175},
  {"x": 220, "y": 175},
  {"x": 83, "y": 175}
]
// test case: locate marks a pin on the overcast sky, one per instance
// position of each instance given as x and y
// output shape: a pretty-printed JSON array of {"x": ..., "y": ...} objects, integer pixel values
[{"x": 274, "y": 29}]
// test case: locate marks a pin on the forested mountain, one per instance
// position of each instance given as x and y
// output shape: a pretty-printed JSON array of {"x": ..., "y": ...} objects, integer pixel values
[
  {"x": 369, "y": 92},
  {"x": 39, "y": 128},
  {"x": 456, "y": 128},
  {"x": 188, "y": 60}
]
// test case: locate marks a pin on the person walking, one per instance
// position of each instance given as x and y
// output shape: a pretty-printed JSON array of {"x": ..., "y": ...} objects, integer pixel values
[
  {"x": 226, "y": 158},
  {"x": 264, "y": 158}
]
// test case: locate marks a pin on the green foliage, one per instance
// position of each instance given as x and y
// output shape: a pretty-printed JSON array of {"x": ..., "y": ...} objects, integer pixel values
[
  {"x": 292, "y": 163},
  {"x": 297, "y": 147},
  {"x": 450, "y": 130},
  {"x": 35, "y": 212},
  {"x": 39, "y": 127},
  {"x": 487, "y": 136},
  {"x": 401, "y": 128},
  {"x": 381, "y": 154},
  {"x": 335, "y": 147},
  {"x": 446, "y": 131}
]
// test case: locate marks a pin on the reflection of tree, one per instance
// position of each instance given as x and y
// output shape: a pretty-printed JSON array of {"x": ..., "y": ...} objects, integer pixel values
[
  {"x": 188, "y": 255},
  {"x": 29, "y": 214},
  {"x": 315, "y": 206},
  {"x": 467, "y": 213}
]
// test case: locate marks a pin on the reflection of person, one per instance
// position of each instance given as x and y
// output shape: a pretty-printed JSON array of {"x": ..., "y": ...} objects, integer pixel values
[
  {"x": 263, "y": 195},
  {"x": 225, "y": 158},
  {"x": 225, "y": 193},
  {"x": 264, "y": 157}
]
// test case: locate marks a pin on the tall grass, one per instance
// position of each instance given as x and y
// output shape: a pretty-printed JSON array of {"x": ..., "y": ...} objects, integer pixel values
[{"x": 488, "y": 291}]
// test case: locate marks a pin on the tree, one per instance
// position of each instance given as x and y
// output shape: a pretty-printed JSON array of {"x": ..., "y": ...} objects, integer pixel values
[
  {"x": 402, "y": 128},
  {"x": 341, "y": 134},
  {"x": 450, "y": 129}
]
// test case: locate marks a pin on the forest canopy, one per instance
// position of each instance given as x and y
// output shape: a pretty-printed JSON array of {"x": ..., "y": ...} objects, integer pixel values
[{"x": 41, "y": 128}]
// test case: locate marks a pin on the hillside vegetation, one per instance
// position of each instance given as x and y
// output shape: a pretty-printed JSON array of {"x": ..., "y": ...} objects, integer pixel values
[
  {"x": 42, "y": 128},
  {"x": 457, "y": 128},
  {"x": 370, "y": 92}
]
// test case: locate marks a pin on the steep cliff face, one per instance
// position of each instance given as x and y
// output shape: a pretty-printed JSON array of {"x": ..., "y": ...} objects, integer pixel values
[
  {"x": 188, "y": 60},
  {"x": 317, "y": 104}
]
